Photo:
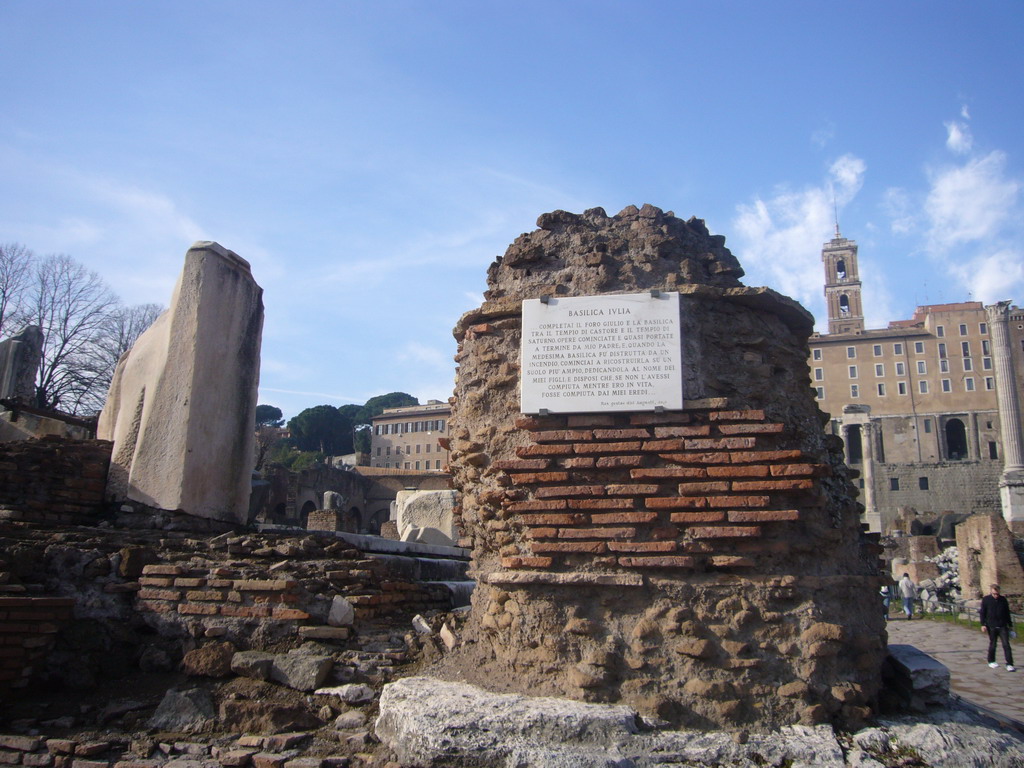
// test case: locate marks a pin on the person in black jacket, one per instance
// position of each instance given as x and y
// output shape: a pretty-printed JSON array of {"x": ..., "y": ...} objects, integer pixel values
[{"x": 996, "y": 620}]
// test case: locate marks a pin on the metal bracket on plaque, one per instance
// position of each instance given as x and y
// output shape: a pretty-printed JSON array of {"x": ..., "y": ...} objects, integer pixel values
[
  {"x": 545, "y": 299},
  {"x": 659, "y": 409},
  {"x": 543, "y": 412},
  {"x": 655, "y": 293}
]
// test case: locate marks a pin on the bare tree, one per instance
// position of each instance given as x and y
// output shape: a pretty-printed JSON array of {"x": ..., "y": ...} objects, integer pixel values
[
  {"x": 73, "y": 307},
  {"x": 16, "y": 263}
]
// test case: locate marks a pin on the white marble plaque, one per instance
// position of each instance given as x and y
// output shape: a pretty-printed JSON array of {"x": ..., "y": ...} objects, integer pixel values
[{"x": 601, "y": 353}]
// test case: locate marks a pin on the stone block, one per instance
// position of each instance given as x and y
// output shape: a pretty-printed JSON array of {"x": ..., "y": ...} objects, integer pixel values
[{"x": 204, "y": 352}]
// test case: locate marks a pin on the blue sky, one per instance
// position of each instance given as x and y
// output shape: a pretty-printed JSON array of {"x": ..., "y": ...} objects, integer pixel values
[{"x": 370, "y": 159}]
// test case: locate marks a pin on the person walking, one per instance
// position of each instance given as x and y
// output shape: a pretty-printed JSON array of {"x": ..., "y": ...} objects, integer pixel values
[
  {"x": 886, "y": 598},
  {"x": 908, "y": 591},
  {"x": 997, "y": 621}
]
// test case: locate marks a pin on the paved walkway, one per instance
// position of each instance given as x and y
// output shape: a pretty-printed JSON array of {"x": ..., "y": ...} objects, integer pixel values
[{"x": 963, "y": 651}]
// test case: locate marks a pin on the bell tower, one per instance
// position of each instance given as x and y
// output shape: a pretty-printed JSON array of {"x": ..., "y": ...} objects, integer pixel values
[{"x": 842, "y": 285}]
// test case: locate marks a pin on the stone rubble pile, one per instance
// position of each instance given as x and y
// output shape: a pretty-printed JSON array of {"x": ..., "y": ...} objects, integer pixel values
[{"x": 946, "y": 586}]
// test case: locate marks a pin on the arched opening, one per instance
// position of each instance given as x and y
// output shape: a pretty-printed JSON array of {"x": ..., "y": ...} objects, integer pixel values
[
  {"x": 956, "y": 440},
  {"x": 841, "y": 269},
  {"x": 854, "y": 446},
  {"x": 355, "y": 520},
  {"x": 308, "y": 507},
  {"x": 844, "y": 304}
]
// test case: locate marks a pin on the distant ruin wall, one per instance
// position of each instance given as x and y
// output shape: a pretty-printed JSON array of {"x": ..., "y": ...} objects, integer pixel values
[
  {"x": 970, "y": 487},
  {"x": 702, "y": 563},
  {"x": 53, "y": 480},
  {"x": 985, "y": 548}
]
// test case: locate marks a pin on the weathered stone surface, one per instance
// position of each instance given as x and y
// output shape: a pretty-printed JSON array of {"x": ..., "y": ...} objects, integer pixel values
[
  {"x": 182, "y": 402},
  {"x": 426, "y": 516},
  {"x": 189, "y": 711},
  {"x": 254, "y": 664},
  {"x": 919, "y": 675},
  {"x": 342, "y": 614},
  {"x": 301, "y": 671},
  {"x": 210, "y": 660},
  {"x": 248, "y": 716},
  {"x": 432, "y": 723},
  {"x": 350, "y": 694}
]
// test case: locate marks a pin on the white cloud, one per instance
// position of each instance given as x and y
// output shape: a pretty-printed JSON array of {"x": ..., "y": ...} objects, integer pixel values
[
  {"x": 780, "y": 238},
  {"x": 821, "y": 137},
  {"x": 992, "y": 277},
  {"x": 969, "y": 202},
  {"x": 897, "y": 206},
  {"x": 974, "y": 221},
  {"x": 965, "y": 113},
  {"x": 958, "y": 137}
]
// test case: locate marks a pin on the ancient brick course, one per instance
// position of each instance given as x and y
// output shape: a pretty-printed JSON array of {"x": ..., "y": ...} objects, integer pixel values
[{"x": 53, "y": 480}]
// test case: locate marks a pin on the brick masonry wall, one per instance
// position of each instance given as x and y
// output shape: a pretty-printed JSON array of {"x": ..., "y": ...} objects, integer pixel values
[
  {"x": 28, "y": 626},
  {"x": 53, "y": 480},
  {"x": 698, "y": 490}
]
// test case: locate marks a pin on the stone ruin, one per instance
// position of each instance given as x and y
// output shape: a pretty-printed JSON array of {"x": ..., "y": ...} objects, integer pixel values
[
  {"x": 19, "y": 362},
  {"x": 703, "y": 563},
  {"x": 182, "y": 401}
]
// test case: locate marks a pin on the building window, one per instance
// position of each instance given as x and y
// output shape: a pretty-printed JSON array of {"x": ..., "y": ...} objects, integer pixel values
[
  {"x": 428, "y": 448},
  {"x": 989, "y": 383},
  {"x": 983, "y": 329},
  {"x": 963, "y": 329},
  {"x": 881, "y": 389},
  {"x": 940, "y": 331},
  {"x": 986, "y": 363},
  {"x": 378, "y": 450},
  {"x": 986, "y": 348},
  {"x": 968, "y": 365},
  {"x": 969, "y": 383},
  {"x": 388, "y": 451},
  {"x": 897, "y": 349},
  {"x": 922, "y": 387},
  {"x": 879, "y": 369},
  {"x": 901, "y": 369},
  {"x": 942, "y": 349},
  {"x": 922, "y": 483},
  {"x": 965, "y": 348},
  {"x": 854, "y": 390},
  {"x": 944, "y": 366},
  {"x": 816, "y": 354},
  {"x": 947, "y": 385},
  {"x": 819, "y": 374},
  {"x": 853, "y": 371},
  {"x": 922, "y": 367},
  {"x": 877, "y": 350},
  {"x": 437, "y": 464},
  {"x": 901, "y": 387},
  {"x": 418, "y": 446},
  {"x": 993, "y": 453},
  {"x": 407, "y": 465},
  {"x": 417, "y": 465},
  {"x": 918, "y": 347},
  {"x": 819, "y": 392},
  {"x": 894, "y": 483},
  {"x": 851, "y": 352},
  {"x": 927, "y": 426}
]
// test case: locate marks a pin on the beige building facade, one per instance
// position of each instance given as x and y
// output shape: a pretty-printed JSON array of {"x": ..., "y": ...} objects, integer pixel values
[
  {"x": 410, "y": 438},
  {"x": 915, "y": 403}
]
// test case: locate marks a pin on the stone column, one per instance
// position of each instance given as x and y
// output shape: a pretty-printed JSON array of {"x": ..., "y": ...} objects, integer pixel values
[
  {"x": 867, "y": 440},
  {"x": 1011, "y": 483},
  {"x": 973, "y": 441}
]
